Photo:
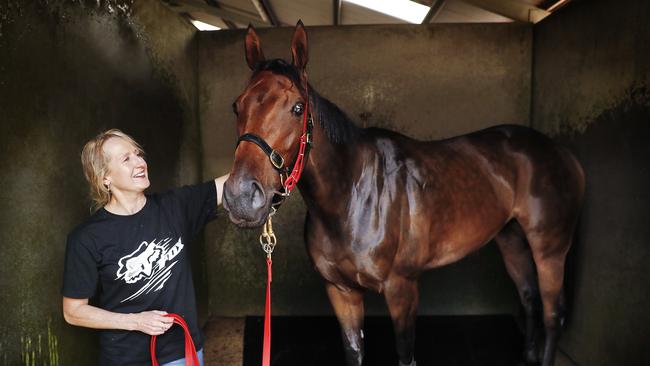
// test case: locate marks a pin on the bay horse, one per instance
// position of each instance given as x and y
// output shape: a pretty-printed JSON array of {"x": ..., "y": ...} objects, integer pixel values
[{"x": 383, "y": 207}]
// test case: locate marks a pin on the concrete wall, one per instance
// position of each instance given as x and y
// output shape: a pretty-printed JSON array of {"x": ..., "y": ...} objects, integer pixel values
[
  {"x": 591, "y": 80},
  {"x": 68, "y": 70},
  {"x": 427, "y": 82}
]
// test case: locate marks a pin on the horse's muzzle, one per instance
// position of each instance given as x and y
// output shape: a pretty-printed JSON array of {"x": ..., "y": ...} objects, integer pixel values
[{"x": 246, "y": 202}]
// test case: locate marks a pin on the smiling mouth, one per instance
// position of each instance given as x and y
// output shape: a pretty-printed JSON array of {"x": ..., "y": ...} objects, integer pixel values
[{"x": 140, "y": 175}]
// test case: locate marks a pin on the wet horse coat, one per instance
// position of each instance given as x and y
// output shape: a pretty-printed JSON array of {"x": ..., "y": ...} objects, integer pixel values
[{"x": 383, "y": 208}]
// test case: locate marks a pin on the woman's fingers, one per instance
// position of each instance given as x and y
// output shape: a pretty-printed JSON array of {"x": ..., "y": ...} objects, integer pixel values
[
  {"x": 154, "y": 322},
  {"x": 165, "y": 325},
  {"x": 166, "y": 322}
]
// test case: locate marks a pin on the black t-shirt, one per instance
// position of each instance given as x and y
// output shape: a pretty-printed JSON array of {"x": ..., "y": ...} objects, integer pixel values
[{"x": 140, "y": 262}]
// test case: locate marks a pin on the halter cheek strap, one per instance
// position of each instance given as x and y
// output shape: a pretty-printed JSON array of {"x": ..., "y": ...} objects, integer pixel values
[
  {"x": 276, "y": 159},
  {"x": 303, "y": 152}
]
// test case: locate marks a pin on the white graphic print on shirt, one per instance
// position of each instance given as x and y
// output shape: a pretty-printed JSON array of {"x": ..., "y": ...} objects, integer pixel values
[{"x": 149, "y": 263}]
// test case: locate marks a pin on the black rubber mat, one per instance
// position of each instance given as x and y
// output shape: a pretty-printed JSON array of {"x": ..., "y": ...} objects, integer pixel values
[{"x": 440, "y": 341}]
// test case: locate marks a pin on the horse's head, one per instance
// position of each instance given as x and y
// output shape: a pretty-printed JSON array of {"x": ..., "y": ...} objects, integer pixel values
[{"x": 270, "y": 115}]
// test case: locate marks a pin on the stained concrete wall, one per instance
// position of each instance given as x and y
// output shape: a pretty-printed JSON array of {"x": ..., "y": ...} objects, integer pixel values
[
  {"x": 427, "y": 82},
  {"x": 591, "y": 80},
  {"x": 69, "y": 69}
]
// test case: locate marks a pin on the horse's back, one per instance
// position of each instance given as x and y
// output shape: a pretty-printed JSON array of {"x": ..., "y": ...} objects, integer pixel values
[
  {"x": 513, "y": 158},
  {"x": 533, "y": 164}
]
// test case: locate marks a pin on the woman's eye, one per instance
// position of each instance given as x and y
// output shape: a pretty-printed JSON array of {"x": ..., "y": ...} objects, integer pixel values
[{"x": 297, "y": 109}]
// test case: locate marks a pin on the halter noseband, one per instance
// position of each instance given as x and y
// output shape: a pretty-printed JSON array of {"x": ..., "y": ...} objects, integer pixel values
[{"x": 277, "y": 160}]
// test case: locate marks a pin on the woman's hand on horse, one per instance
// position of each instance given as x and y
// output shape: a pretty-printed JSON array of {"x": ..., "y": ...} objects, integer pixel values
[{"x": 152, "y": 322}]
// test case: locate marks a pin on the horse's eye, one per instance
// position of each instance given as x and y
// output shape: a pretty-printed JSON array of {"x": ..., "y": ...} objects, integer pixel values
[
  {"x": 234, "y": 108},
  {"x": 298, "y": 109}
]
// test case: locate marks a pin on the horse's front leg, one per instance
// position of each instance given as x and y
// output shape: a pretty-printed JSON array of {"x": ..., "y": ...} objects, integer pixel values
[
  {"x": 402, "y": 299},
  {"x": 348, "y": 306}
]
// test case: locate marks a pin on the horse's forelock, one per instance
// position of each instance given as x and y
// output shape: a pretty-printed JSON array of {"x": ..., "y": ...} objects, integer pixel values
[{"x": 279, "y": 66}]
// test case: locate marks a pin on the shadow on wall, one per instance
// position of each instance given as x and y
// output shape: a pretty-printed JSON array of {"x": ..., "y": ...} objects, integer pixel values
[{"x": 608, "y": 283}]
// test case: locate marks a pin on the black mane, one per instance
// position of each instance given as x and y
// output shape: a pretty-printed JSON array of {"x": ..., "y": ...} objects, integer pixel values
[{"x": 339, "y": 129}]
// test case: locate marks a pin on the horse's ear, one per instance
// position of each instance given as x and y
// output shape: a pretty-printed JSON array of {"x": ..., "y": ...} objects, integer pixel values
[
  {"x": 254, "y": 52},
  {"x": 299, "y": 46}
]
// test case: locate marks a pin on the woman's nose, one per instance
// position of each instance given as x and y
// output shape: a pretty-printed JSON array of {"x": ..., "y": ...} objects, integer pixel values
[{"x": 140, "y": 160}]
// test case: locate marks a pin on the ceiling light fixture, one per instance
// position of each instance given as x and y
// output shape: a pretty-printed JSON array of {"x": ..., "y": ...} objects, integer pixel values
[
  {"x": 202, "y": 26},
  {"x": 407, "y": 10}
]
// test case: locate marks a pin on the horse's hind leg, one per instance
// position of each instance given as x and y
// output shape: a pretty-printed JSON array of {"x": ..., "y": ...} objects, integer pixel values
[
  {"x": 348, "y": 306},
  {"x": 402, "y": 300},
  {"x": 521, "y": 268},
  {"x": 549, "y": 253}
]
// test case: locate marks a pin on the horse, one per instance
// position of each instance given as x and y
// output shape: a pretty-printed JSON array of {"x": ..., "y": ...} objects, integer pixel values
[{"x": 382, "y": 208}]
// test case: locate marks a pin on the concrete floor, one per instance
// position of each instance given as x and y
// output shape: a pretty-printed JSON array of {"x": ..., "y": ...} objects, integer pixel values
[{"x": 224, "y": 342}]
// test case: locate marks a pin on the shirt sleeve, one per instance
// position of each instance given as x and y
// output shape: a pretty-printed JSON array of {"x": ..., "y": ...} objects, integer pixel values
[
  {"x": 198, "y": 204},
  {"x": 80, "y": 273}
]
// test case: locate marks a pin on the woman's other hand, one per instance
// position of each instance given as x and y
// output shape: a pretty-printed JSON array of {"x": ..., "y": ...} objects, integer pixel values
[{"x": 154, "y": 322}]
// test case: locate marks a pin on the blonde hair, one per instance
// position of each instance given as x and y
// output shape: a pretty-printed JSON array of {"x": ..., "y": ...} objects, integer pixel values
[{"x": 95, "y": 165}]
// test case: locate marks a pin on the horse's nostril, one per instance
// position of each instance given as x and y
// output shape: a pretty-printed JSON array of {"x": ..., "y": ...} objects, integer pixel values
[{"x": 257, "y": 195}]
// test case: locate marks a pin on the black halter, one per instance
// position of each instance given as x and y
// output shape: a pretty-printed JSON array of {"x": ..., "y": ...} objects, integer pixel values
[{"x": 276, "y": 159}]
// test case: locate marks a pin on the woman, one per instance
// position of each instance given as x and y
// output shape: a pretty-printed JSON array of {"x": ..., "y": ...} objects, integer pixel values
[{"x": 133, "y": 254}]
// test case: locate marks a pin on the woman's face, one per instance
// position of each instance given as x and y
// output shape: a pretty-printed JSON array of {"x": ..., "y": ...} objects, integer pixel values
[{"x": 127, "y": 170}]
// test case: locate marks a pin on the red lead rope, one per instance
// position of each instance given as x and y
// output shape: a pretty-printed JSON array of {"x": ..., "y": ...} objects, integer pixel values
[
  {"x": 266, "y": 349},
  {"x": 293, "y": 178},
  {"x": 191, "y": 359},
  {"x": 267, "y": 239}
]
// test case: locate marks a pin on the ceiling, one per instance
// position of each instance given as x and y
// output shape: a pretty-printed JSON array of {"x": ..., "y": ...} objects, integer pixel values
[{"x": 234, "y": 14}]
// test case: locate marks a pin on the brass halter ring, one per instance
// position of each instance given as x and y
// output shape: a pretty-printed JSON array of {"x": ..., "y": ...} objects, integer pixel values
[{"x": 267, "y": 238}]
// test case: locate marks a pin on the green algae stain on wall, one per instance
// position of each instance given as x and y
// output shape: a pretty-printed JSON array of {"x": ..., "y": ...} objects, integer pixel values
[{"x": 39, "y": 350}]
